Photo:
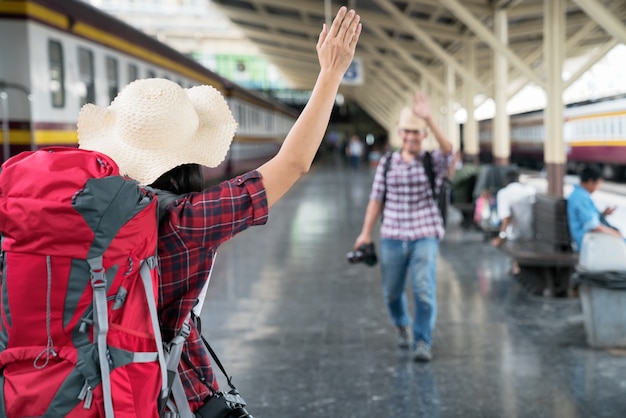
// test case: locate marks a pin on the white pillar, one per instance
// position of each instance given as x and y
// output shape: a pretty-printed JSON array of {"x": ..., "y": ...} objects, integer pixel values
[
  {"x": 501, "y": 140},
  {"x": 470, "y": 130},
  {"x": 451, "y": 126},
  {"x": 554, "y": 146}
]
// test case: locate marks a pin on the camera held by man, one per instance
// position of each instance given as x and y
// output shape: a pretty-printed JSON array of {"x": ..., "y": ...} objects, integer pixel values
[{"x": 364, "y": 254}]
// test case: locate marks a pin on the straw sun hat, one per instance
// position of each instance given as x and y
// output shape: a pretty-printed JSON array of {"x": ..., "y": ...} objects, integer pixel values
[
  {"x": 409, "y": 121},
  {"x": 154, "y": 125}
]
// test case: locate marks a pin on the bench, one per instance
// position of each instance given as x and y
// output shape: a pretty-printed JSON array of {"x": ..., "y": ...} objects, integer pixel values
[{"x": 547, "y": 261}]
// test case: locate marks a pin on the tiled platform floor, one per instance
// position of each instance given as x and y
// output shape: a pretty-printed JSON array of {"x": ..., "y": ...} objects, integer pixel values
[{"x": 305, "y": 334}]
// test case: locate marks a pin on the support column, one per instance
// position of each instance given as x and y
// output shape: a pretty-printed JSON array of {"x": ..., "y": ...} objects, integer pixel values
[
  {"x": 471, "y": 146},
  {"x": 554, "y": 146},
  {"x": 434, "y": 98},
  {"x": 451, "y": 126},
  {"x": 328, "y": 13},
  {"x": 501, "y": 135}
]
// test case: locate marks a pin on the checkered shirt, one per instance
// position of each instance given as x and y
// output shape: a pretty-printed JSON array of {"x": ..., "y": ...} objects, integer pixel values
[
  {"x": 410, "y": 212},
  {"x": 194, "y": 227}
]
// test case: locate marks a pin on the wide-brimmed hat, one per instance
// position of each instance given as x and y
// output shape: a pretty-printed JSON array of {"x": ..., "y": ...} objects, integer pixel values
[
  {"x": 154, "y": 125},
  {"x": 409, "y": 121}
]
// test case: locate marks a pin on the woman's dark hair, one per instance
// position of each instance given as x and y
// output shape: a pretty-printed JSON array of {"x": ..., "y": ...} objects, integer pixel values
[{"x": 183, "y": 179}]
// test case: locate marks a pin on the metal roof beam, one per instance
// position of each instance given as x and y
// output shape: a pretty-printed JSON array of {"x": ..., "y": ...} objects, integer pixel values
[
  {"x": 604, "y": 18},
  {"x": 419, "y": 33},
  {"x": 485, "y": 34},
  {"x": 410, "y": 60}
]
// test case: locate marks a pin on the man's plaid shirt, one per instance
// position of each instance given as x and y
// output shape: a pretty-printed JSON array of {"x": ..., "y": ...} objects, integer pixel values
[
  {"x": 194, "y": 227},
  {"x": 410, "y": 211}
]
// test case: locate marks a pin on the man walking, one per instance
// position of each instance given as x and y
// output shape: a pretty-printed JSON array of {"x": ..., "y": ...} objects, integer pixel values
[{"x": 412, "y": 225}]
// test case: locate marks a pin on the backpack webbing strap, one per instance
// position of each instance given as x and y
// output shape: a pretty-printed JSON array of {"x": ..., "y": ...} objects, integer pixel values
[
  {"x": 1, "y": 258},
  {"x": 174, "y": 350},
  {"x": 146, "y": 278},
  {"x": 180, "y": 404},
  {"x": 3, "y": 410},
  {"x": 101, "y": 328}
]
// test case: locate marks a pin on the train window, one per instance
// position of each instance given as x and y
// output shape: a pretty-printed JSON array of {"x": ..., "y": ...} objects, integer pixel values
[
  {"x": 57, "y": 78},
  {"x": 256, "y": 119},
  {"x": 269, "y": 122},
  {"x": 151, "y": 74},
  {"x": 234, "y": 105},
  {"x": 86, "y": 76},
  {"x": 133, "y": 72},
  {"x": 113, "y": 78}
]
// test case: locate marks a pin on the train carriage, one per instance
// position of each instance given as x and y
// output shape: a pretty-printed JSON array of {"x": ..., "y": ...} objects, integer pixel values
[
  {"x": 58, "y": 55},
  {"x": 594, "y": 133}
]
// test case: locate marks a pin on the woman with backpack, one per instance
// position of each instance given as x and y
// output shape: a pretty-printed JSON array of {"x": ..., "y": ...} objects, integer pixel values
[{"x": 160, "y": 134}]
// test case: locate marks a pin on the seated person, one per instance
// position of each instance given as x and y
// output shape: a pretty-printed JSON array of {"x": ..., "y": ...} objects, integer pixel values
[
  {"x": 582, "y": 214},
  {"x": 515, "y": 210}
]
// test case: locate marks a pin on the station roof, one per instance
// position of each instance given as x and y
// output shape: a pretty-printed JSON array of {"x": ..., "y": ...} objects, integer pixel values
[{"x": 411, "y": 43}]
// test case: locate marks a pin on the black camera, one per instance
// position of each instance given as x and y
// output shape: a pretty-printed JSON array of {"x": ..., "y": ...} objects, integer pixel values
[
  {"x": 224, "y": 405},
  {"x": 365, "y": 254}
]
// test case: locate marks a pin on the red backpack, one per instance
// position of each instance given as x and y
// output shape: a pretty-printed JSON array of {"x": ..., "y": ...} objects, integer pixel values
[{"x": 79, "y": 335}]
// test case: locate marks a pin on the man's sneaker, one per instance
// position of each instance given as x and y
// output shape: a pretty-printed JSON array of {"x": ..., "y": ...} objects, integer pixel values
[
  {"x": 403, "y": 337},
  {"x": 421, "y": 352}
]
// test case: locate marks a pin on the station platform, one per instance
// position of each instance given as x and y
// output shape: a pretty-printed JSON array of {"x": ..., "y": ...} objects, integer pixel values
[{"x": 306, "y": 334}]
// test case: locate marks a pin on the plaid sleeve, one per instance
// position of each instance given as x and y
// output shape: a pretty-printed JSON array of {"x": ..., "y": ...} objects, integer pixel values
[
  {"x": 188, "y": 238},
  {"x": 218, "y": 213},
  {"x": 441, "y": 161},
  {"x": 378, "y": 186}
]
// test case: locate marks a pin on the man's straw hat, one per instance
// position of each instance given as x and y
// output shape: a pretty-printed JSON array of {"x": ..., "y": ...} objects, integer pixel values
[
  {"x": 154, "y": 125},
  {"x": 409, "y": 121}
]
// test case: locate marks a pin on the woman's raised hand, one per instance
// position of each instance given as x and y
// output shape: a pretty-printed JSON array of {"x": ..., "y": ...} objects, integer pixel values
[{"x": 336, "y": 46}]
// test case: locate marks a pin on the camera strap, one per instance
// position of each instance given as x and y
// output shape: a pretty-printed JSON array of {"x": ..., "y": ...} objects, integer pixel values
[{"x": 216, "y": 360}]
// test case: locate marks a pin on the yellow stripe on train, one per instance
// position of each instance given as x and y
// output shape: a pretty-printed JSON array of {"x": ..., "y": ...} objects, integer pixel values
[
  {"x": 48, "y": 137},
  {"x": 35, "y": 10},
  {"x": 42, "y": 137},
  {"x": 604, "y": 143}
]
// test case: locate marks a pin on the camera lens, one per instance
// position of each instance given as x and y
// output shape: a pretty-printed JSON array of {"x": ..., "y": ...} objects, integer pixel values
[
  {"x": 354, "y": 257},
  {"x": 365, "y": 254}
]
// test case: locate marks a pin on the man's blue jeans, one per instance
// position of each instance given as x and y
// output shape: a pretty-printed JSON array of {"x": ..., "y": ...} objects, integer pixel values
[{"x": 419, "y": 259}]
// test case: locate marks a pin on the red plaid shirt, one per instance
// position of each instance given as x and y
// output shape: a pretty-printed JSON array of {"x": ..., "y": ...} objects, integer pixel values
[{"x": 194, "y": 227}]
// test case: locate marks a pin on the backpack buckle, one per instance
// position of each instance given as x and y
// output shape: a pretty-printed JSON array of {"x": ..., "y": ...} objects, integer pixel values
[
  {"x": 98, "y": 279},
  {"x": 152, "y": 262}
]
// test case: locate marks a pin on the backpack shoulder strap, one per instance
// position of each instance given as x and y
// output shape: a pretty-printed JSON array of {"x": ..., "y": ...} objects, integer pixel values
[
  {"x": 174, "y": 348},
  {"x": 428, "y": 166},
  {"x": 164, "y": 198},
  {"x": 388, "y": 156}
]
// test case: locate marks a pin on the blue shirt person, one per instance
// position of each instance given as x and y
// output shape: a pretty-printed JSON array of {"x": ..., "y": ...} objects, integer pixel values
[{"x": 582, "y": 214}]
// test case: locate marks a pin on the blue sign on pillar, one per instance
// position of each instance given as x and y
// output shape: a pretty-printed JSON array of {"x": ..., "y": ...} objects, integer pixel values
[{"x": 354, "y": 74}]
